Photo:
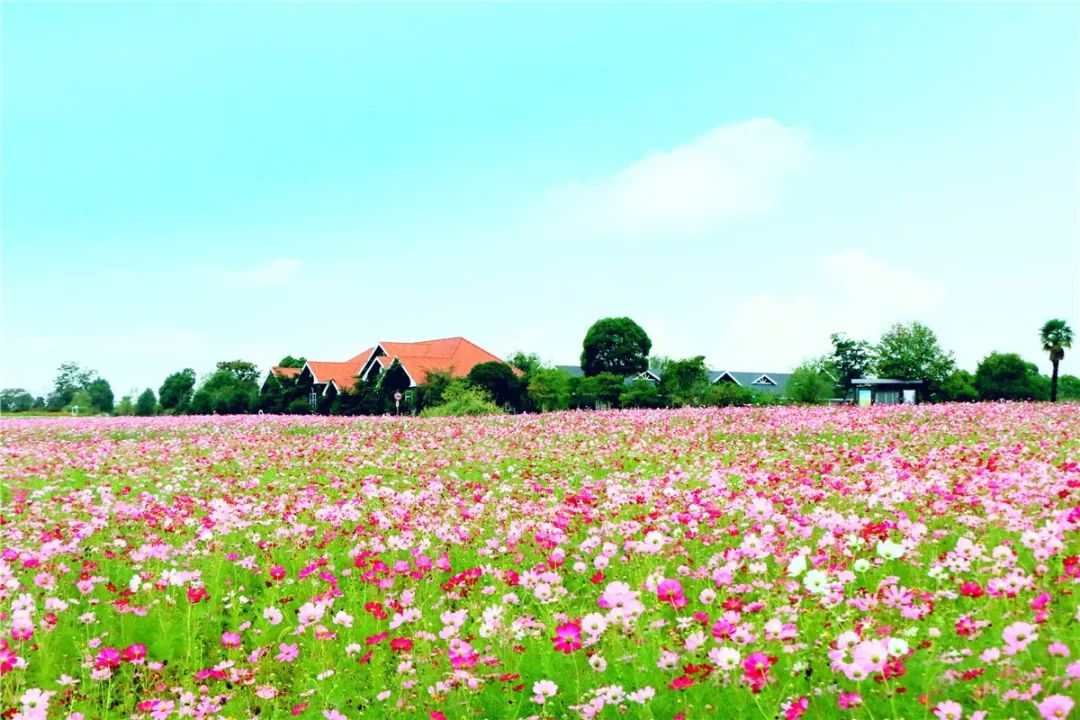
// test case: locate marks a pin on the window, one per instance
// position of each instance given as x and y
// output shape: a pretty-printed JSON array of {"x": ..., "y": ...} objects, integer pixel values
[{"x": 765, "y": 380}]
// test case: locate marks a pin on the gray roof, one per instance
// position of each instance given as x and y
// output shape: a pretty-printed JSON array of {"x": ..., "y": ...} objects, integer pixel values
[
  {"x": 754, "y": 380},
  {"x": 884, "y": 381}
]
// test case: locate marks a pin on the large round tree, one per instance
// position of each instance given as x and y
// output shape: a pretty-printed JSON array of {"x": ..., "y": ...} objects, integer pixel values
[
  {"x": 1056, "y": 336},
  {"x": 615, "y": 345}
]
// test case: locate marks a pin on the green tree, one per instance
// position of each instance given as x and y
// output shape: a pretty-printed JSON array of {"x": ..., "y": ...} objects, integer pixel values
[
  {"x": 244, "y": 371},
  {"x": 851, "y": 358},
  {"x": 1056, "y": 336},
  {"x": 82, "y": 403},
  {"x": 175, "y": 393},
  {"x": 1007, "y": 376},
  {"x": 435, "y": 384},
  {"x": 231, "y": 389},
  {"x": 527, "y": 363},
  {"x": 810, "y": 384},
  {"x": 659, "y": 364},
  {"x": 15, "y": 400},
  {"x": 912, "y": 352},
  {"x": 125, "y": 407},
  {"x": 500, "y": 381},
  {"x": 101, "y": 394},
  {"x": 146, "y": 405},
  {"x": 549, "y": 389},
  {"x": 959, "y": 387},
  {"x": 685, "y": 382},
  {"x": 291, "y": 362},
  {"x": 70, "y": 378},
  {"x": 640, "y": 394},
  {"x": 615, "y": 345},
  {"x": 1069, "y": 387}
]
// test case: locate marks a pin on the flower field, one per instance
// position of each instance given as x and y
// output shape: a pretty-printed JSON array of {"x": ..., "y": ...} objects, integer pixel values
[{"x": 740, "y": 563}]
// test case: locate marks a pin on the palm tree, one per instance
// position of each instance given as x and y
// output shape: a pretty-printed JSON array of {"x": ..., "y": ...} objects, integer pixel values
[{"x": 1056, "y": 335}]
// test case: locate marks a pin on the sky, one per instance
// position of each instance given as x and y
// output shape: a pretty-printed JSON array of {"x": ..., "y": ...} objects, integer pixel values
[{"x": 184, "y": 183}]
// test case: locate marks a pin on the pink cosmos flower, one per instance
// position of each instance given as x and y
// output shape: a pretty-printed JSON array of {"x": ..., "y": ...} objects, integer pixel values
[
  {"x": 849, "y": 701},
  {"x": 287, "y": 653},
  {"x": 1055, "y": 707},
  {"x": 948, "y": 710},
  {"x": 230, "y": 639}
]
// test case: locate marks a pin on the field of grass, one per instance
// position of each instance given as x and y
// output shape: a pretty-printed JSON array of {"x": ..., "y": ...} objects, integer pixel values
[{"x": 873, "y": 563}]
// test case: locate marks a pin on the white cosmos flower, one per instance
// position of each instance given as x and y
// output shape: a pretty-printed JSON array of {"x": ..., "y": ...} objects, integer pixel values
[
  {"x": 890, "y": 550},
  {"x": 797, "y": 565},
  {"x": 816, "y": 582}
]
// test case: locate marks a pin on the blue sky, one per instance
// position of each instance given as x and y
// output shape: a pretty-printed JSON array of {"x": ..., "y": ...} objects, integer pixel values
[{"x": 185, "y": 183}]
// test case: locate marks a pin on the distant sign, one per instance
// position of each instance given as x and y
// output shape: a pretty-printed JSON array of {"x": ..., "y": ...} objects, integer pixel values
[{"x": 397, "y": 397}]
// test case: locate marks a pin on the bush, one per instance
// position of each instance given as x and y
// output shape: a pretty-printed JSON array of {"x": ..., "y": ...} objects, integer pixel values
[
  {"x": 640, "y": 394},
  {"x": 460, "y": 399},
  {"x": 809, "y": 384}
]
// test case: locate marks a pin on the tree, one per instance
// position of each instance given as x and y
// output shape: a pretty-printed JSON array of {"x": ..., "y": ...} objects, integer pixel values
[
  {"x": 1069, "y": 387},
  {"x": 659, "y": 364},
  {"x": 527, "y": 363},
  {"x": 146, "y": 405},
  {"x": 810, "y": 384},
  {"x": 435, "y": 384},
  {"x": 291, "y": 362},
  {"x": 175, "y": 393},
  {"x": 549, "y": 389},
  {"x": 685, "y": 382},
  {"x": 81, "y": 402},
  {"x": 70, "y": 378},
  {"x": 126, "y": 406},
  {"x": 1056, "y": 336},
  {"x": 851, "y": 358},
  {"x": 101, "y": 394},
  {"x": 959, "y": 387},
  {"x": 615, "y": 345},
  {"x": 244, "y": 371},
  {"x": 912, "y": 352},
  {"x": 231, "y": 389},
  {"x": 640, "y": 394},
  {"x": 15, "y": 400},
  {"x": 1007, "y": 376},
  {"x": 500, "y": 381}
]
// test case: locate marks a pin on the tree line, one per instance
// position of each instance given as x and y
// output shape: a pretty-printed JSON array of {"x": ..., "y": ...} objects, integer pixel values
[{"x": 615, "y": 352}]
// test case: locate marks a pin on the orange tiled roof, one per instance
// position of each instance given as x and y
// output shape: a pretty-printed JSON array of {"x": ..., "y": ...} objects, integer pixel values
[
  {"x": 285, "y": 372},
  {"x": 455, "y": 355},
  {"x": 324, "y": 372}
]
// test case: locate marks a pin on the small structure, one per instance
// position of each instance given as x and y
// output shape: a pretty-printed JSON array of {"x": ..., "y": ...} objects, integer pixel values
[{"x": 884, "y": 391}]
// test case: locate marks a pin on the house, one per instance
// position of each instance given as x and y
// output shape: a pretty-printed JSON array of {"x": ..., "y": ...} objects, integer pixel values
[
  {"x": 279, "y": 372},
  {"x": 772, "y": 383},
  {"x": 884, "y": 391},
  {"x": 406, "y": 365}
]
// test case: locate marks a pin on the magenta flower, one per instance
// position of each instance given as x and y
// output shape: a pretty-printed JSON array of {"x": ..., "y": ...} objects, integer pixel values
[
  {"x": 108, "y": 657},
  {"x": 567, "y": 637}
]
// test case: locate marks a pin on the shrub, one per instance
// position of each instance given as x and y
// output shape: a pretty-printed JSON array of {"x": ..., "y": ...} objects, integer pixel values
[{"x": 460, "y": 399}]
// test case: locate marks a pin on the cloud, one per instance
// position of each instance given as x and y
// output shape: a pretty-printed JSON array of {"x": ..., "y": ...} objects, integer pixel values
[
  {"x": 850, "y": 292},
  {"x": 275, "y": 271},
  {"x": 731, "y": 171}
]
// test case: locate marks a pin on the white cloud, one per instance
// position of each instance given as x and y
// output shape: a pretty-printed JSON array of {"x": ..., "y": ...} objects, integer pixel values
[
  {"x": 275, "y": 271},
  {"x": 732, "y": 170},
  {"x": 851, "y": 292}
]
